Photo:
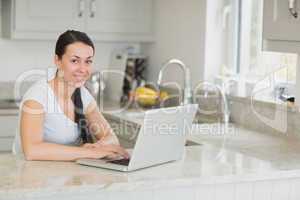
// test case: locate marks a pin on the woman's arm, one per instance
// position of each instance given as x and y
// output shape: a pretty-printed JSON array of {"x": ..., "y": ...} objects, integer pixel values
[
  {"x": 99, "y": 126},
  {"x": 31, "y": 127}
]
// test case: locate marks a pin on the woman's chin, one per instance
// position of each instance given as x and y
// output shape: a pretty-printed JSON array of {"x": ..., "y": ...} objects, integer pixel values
[{"x": 77, "y": 84}]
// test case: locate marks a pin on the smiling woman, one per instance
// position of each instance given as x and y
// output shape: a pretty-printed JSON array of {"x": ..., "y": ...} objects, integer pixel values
[{"x": 57, "y": 114}]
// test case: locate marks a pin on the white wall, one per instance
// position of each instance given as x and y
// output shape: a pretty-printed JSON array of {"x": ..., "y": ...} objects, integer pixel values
[
  {"x": 214, "y": 39},
  {"x": 179, "y": 33},
  {"x": 221, "y": 38},
  {"x": 17, "y": 56}
]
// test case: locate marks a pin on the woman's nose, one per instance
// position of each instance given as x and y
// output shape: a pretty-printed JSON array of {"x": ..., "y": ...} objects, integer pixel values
[{"x": 83, "y": 67}]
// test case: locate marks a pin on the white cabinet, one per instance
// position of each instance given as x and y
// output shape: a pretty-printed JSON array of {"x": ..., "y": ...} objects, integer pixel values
[
  {"x": 121, "y": 18},
  {"x": 9, "y": 124},
  {"x": 278, "y": 21},
  {"x": 40, "y": 19},
  {"x": 103, "y": 20}
]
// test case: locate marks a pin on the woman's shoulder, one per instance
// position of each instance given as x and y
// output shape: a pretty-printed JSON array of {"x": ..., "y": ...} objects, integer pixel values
[
  {"x": 39, "y": 84},
  {"x": 37, "y": 91},
  {"x": 40, "y": 87}
]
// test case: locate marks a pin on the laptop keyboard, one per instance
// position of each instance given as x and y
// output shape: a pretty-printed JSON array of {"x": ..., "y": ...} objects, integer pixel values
[{"x": 120, "y": 162}]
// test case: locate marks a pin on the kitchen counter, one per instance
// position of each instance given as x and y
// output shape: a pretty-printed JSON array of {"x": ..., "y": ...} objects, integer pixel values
[
  {"x": 216, "y": 169},
  {"x": 8, "y": 107},
  {"x": 201, "y": 166},
  {"x": 243, "y": 159},
  {"x": 6, "y": 104}
]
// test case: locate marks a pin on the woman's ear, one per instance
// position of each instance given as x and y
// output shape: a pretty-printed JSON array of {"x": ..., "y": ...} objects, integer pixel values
[{"x": 57, "y": 61}]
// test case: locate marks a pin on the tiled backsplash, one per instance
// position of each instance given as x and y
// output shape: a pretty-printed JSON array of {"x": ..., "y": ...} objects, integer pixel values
[
  {"x": 270, "y": 118},
  {"x": 266, "y": 117}
]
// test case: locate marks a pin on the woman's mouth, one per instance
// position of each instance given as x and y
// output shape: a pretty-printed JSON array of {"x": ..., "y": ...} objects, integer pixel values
[{"x": 79, "y": 77}]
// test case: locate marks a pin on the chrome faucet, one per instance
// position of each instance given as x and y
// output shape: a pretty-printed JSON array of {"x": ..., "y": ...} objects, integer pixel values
[
  {"x": 226, "y": 111},
  {"x": 187, "y": 94},
  {"x": 224, "y": 100}
]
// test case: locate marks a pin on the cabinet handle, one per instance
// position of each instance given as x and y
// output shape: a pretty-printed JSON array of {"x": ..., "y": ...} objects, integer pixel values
[
  {"x": 226, "y": 12},
  {"x": 92, "y": 8},
  {"x": 81, "y": 8},
  {"x": 292, "y": 8}
]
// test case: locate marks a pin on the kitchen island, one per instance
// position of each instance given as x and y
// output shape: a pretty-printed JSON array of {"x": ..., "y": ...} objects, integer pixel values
[
  {"x": 203, "y": 173},
  {"x": 236, "y": 164}
]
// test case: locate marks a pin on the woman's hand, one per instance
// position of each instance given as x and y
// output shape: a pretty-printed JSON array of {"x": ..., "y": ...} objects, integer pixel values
[
  {"x": 110, "y": 151},
  {"x": 108, "y": 139}
]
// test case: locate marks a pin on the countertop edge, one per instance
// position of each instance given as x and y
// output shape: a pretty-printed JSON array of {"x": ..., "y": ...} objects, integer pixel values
[{"x": 148, "y": 185}]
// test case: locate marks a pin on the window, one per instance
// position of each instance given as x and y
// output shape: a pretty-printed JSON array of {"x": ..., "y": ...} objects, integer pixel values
[{"x": 243, "y": 56}]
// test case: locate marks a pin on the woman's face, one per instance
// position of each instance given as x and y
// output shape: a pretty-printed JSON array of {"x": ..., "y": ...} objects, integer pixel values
[{"x": 76, "y": 63}]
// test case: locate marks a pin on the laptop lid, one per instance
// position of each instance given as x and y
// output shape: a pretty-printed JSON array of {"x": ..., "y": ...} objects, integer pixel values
[{"x": 162, "y": 136}]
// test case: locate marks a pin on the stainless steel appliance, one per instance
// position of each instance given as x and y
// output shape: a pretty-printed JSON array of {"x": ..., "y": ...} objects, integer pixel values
[{"x": 95, "y": 85}]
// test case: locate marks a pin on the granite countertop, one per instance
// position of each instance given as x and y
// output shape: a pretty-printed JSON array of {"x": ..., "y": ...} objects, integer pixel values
[
  {"x": 200, "y": 165},
  {"x": 280, "y": 151},
  {"x": 236, "y": 155}
]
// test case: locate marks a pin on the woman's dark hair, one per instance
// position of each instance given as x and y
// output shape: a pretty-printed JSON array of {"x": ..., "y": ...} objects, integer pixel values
[
  {"x": 70, "y": 37},
  {"x": 65, "y": 39}
]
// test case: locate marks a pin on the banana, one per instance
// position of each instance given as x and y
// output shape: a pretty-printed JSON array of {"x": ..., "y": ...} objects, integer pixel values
[
  {"x": 149, "y": 97},
  {"x": 146, "y": 96}
]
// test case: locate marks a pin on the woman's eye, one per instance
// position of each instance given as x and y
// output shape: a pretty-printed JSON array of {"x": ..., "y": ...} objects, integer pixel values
[
  {"x": 89, "y": 61},
  {"x": 74, "y": 61}
]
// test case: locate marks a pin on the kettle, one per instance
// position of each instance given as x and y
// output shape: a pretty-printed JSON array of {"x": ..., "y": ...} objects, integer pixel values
[{"x": 95, "y": 85}]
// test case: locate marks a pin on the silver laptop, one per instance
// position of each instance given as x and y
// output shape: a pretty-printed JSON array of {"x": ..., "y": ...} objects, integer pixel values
[{"x": 161, "y": 139}]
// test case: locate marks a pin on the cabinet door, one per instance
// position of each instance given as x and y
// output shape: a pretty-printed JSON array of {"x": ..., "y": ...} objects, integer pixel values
[
  {"x": 278, "y": 22},
  {"x": 44, "y": 16},
  {"x": 119, "y": 17}
]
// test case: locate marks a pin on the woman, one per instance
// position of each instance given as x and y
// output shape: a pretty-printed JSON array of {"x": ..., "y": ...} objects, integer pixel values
[{"x": 58, "y": 115}]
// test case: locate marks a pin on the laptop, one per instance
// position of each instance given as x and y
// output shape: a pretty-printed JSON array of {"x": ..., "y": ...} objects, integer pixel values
[{"x": 161, "y": 139}]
